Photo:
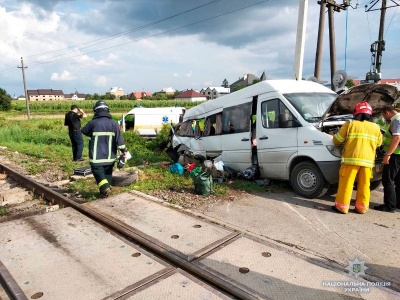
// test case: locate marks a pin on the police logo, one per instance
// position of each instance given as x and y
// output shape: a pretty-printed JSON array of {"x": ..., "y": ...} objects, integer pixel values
[{"x": 356, "y": 268}]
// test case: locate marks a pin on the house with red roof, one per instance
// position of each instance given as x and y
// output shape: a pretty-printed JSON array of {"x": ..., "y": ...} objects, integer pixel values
[
  {"x": 139, "y": 95},
  {"x": 191, "y": 95}
]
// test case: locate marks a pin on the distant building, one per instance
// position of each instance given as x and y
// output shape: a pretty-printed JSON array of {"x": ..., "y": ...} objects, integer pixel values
[
  {"x": 246, "y": 80},
  {"x": 263, "y": 76},
  {"x": 191, "y": 95},
  {"x": 139, "y": 95},
  {"x": 213, "y": 92},
  {"x": 45, "y": 95},
  {"x": 393, "y": 81},
  {"x": 168, "y": 91},
  {"x": 75, "y": 96},
  {"x": 116, "y": 91}
]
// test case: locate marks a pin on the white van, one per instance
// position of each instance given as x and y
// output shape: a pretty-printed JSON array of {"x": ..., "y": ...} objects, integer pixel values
[
  {"x": 285, "y": 117},
  {"x": 149, "y": 121}
]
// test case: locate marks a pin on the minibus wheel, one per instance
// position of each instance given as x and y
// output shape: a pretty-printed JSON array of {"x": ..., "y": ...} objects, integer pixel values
[{"x": 307, "y": 180}]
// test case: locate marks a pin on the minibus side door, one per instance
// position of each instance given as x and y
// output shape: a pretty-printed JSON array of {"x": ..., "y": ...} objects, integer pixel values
[
  {"x": 276, "y": 137},
  {"x": 236, "y": 135}
]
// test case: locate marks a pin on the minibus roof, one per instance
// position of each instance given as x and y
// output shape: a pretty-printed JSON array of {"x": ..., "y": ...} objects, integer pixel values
[{"x": 214, "y": 106}]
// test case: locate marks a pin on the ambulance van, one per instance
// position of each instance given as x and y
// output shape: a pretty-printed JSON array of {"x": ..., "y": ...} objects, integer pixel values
[{"x": 149, "y": 121}]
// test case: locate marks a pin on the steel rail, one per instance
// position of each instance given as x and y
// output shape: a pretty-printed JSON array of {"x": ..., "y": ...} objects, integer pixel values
[
  {"x": 10, "y": 286},
  {"x": 56, "y": 198}
]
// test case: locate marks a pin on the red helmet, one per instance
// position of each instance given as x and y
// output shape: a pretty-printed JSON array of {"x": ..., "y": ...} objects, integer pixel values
[{"x": 362, "y": 108}]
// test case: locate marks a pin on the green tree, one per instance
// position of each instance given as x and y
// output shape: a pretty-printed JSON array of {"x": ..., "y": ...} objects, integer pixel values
[
  {"x": 225, "y": 83},
  {"x": 350, "y": 83},
  {"x": 109, "y": 96},
  {"x": 5, "y": 100},
  {"x": 239, "y": 87}
]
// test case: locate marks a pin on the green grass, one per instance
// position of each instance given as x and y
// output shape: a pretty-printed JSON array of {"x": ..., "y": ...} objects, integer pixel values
[
  {"x": 3, "y": 211},
  {"x": 42, "y": 144}
]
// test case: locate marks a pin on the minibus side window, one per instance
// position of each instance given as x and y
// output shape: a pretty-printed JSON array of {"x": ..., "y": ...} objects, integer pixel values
[
  {"x": 218, "y": 124},
  {"x": 275, "y": 114},
  {"x": 186, "y": 129},
  {"x": 236, "y": 119},
  {"x": 209, "y": 126},
  {"x": 196, "y": 128}
]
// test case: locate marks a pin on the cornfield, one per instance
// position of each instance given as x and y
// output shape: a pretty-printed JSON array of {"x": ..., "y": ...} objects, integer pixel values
[{"x": 87, "y": 105}]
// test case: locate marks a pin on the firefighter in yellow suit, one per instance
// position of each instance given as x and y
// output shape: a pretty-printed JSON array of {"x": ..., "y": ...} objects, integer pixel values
[{"x": 360, "y": 138}]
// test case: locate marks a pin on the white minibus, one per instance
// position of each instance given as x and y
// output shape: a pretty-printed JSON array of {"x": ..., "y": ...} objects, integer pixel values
[{"x": 283, "y": 126}]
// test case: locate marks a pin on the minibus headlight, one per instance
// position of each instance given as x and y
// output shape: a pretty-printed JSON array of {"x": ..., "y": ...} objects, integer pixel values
[{"x": 335, "y": 150}]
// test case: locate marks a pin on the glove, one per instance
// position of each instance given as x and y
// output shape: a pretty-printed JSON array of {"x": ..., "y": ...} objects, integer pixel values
[{"x": 121, "y": 162}]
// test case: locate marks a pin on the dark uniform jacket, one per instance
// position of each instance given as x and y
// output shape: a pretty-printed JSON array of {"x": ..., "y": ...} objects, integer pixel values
[
  {"x": 72, "y": 120},
  {"x": 105, "y": 139}
]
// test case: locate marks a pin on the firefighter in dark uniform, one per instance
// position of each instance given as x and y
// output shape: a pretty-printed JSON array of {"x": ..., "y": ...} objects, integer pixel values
[{"x": 105, "y": 141}]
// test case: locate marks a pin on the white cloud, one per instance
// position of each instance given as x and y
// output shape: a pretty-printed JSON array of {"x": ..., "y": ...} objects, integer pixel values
[
  {"x": 64, "y": 76},
  {"x": 262, "y": 39},
  {"x": 101, "y": 81}
]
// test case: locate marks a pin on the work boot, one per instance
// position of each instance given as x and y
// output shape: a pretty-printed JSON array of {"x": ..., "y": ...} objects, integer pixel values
[
  {"x": 334, "y": 208},
  {"x": 385, "y": 208},
  {"x": 105, "y": 193}
]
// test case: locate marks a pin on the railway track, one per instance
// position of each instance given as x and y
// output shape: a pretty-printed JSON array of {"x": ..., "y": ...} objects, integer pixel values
[
  {"x": 55, "y": 198},
  {"x": 131, "y": 247}
]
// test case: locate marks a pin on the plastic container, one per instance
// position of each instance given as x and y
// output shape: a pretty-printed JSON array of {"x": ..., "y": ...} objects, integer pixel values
[{"x": 208, "y": 163}]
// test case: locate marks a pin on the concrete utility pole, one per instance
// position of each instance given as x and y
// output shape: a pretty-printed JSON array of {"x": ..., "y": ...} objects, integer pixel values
[
  {"x": 318, "y": 52},
  {"x": 332, "y": 44},
  {"x": 379, "y": 46},
  {"x": 381, "y": 42},
  {"x": 26, "y": 93},
  {"x": 300, "y": 39},
  {"x": 332, "y": 7}
]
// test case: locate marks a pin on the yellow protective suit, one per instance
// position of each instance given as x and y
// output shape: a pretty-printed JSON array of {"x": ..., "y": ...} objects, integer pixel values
[{"x": 360, "y": 139}]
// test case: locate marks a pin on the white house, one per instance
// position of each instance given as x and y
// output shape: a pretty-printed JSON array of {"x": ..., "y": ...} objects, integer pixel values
[{"x": 214, "y": 92}]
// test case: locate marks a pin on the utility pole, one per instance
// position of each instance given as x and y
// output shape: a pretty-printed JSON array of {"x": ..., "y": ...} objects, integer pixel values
[
  {"x": 318, "y": 52},
  {"x": 332, "y": 7},
  {"x": 379, "y": 46},
  {"x": 381, "y": 42},
  {"x": 332, "y": 43},
  {"x": 300, "y": 39},
  {"x": 26, "y": 93}
]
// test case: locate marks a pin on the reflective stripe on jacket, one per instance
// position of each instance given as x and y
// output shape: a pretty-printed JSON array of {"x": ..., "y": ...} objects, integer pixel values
[
  {"x": 388, "y": 137},
  {"x": 360, "y": 138},
  {"x": 105, "y": 140}
]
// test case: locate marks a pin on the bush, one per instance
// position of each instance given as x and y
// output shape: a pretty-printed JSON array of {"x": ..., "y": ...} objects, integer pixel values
[{"x": 5, "y": 100}]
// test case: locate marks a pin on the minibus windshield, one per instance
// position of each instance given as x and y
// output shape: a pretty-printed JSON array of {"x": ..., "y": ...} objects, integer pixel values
[{"x": 311, "y": 106}]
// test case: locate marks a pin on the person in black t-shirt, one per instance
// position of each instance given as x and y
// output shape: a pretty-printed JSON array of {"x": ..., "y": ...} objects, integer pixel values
[{"x": 73, "y": 121}]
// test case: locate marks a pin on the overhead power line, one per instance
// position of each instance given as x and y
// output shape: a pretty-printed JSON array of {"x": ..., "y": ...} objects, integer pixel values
[
  {"x": 146, "y": 37},
  {"x": 113, "y": 36},
  {"x": 116, "y": 35}
]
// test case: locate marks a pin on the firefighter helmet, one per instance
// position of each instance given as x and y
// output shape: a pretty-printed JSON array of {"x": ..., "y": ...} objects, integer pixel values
[
  {"x": 362, "y": 108},
  {"x": 100, "y": 105}
]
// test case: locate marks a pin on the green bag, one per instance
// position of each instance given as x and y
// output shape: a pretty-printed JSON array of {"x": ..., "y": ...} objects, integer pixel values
[{"x": 203, "y": 182}]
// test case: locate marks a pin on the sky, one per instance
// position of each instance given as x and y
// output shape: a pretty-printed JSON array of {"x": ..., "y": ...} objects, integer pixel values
[{"x": 147, "y": 45}]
